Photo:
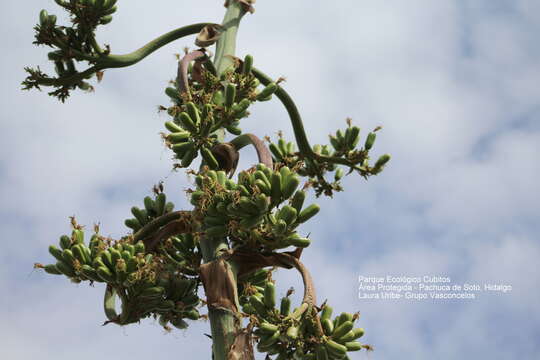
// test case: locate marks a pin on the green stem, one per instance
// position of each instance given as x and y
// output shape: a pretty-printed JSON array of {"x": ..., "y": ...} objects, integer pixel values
[
  {"x": 115, "y": 61},
  {"x": 226, "y": 45},
  {"x": 298, "y": 126},
  {"x": 223, "y": 323}
]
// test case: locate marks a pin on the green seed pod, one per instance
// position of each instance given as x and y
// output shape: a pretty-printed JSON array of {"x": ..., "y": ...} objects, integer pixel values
[
  {"x": 328, "y": 326},
  {"x": 248, "y": 206},
  {"x": 335, "y": 348},
  {"x": 174, "y": 128},
  {"x": 292, "y": 332},
  {"x": 161, "y": 200},
  {"x": 263, "y": 186},
  {"x": 321, "y": 352},
  {"x": 247, "y": 65},
  {"x": 61, "y": 3},
  {"x": 115, "y": 256},
  {"x": 241, "y": 107},
  {"x": 105, "y": 20},
  {"x": 173, "y": 94},
  {"x": 270, "y": 295},
  {"x": 276, "y": 188},
  {"x": 169, "y": 207},
  {"x": 217, "y": 98},
  {"x": 140, "y": 215},
  {"x": 221, "y": 177},
  {"x": 335, "y": 143},
  {"x": 193, "y": 314},
  {"x": 339, "y": 174},
  {"x": 133, "y": 224},
  {"x": 284, "y": 171},
  {"x": 342, "y": 329},
  {"x": 276, "y": 151},
  {"x": 288, "y": 214},
  {"x": 258, "y": 305},
  {"x": 57, "y": 253},
  {"x": 110, "y": 3},
  {"x": 353, "y": 346},
  {"x": 182, "y": 148},
  {"x": 326, "y": 312},
  {"x": 279, "y": 228},
  {"x": 298, "y": 312},
  {"x": 52, "y": 269},
  {"x": 250, "y": 222},
  {"x": 351, "y": 335},
  {"x": 267, "y": 91},
  {"x": 149, "y": 205},
  {"x": 80, "y": 254},
  {"x": 370, "y": 140},
  {"x": 44, "y": 17},
  {"x": 254, "y": 83},
  {"x": 345, "y": 317},
  {"x": 187, "y": 122},
  {"x": 209, "y": 159},
  {"x": 110, "y": 10},
  {"x": 230, "y": 95},
  {"x": 296, "y": 240},
  {"x": 65, "y": 269},
  {"x": 65, "y": 242},
  {"x": 179, "y": 323},
  {"x": 152, "y": 292},
  {"x": 106, "y": 259},
  {"x": 354, "y": 137},
  {"x": 382, "y": 161},
  {"x": 234, "y": 130},
  {"x": 207, "y": 111},
  {"x": 193, "y": 113},
  {"x": 178, "y": 137},
  {"x": 139, "y": 247},
  {"x": 308, "y": 213},
  {"x": 261, "y": 201},
  {"x": 298, "y": 200},
  {"x": 268, "y": 328},
  {"x": 189, "y": 156},
  {"x": 77, "y": 236},
  {"x": 266, "y": 342},
  {"x": 121, "y": 271},
  {"x": 285, "y": 306},
  {"x": 289, "y": 185}
]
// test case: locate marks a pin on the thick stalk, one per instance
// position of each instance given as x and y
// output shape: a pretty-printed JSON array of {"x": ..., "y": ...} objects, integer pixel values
[
  {"x": 223, "y": 323},
  {"x": 226, "y": 45}
]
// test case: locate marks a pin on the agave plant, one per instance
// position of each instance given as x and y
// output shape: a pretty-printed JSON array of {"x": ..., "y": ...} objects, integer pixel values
[{"x": 243, "y": 224}]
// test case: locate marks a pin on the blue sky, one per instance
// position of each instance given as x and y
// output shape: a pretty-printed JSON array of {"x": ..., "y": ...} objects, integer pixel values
[{"x": 454, "y": 85}]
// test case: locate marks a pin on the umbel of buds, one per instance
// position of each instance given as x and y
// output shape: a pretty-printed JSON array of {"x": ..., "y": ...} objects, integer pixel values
[{"x": 237, "y": 226}]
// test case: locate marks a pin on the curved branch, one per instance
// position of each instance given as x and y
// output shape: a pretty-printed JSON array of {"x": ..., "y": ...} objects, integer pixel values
[
  {"x": 173, "y": 228},
  {"x": 294, "y": 114},
  {"x": 116, "y": 61},
  {"x": 251, "y": 261},
  {"x": 263, "y": 153},
  {"x": 298, "y": 126},
  {"x": 157, "y": 223},
  {"x": 102, "y": 62},
  {"x": 182, "y": 77}
]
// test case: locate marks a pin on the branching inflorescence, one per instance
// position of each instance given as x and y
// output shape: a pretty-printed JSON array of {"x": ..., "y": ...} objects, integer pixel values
[{"x": 238, "y": 230}]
